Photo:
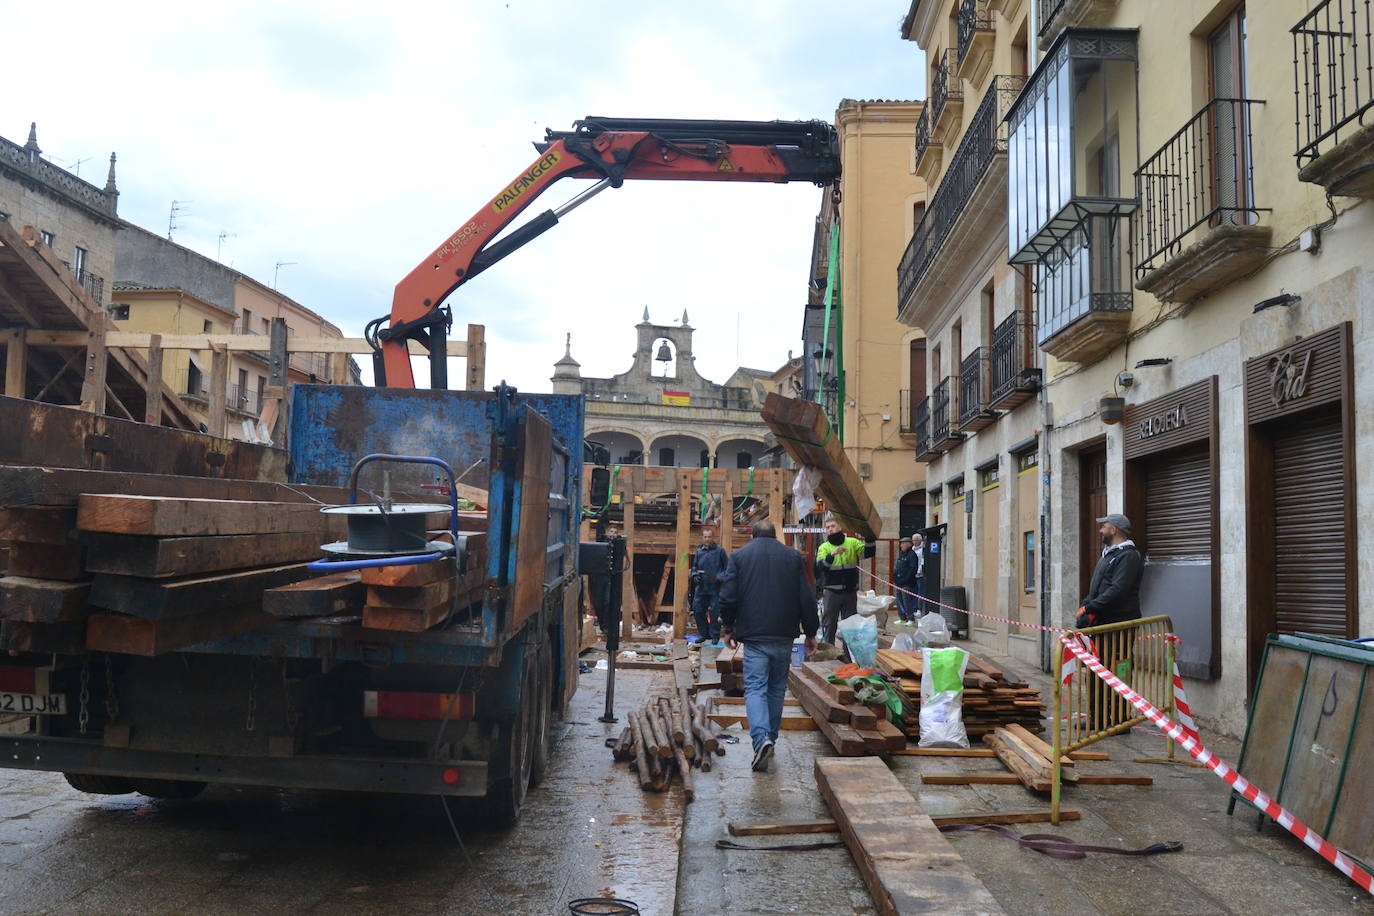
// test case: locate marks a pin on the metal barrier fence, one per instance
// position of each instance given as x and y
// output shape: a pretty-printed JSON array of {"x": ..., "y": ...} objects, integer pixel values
[{"x": 1086, "y": 710}]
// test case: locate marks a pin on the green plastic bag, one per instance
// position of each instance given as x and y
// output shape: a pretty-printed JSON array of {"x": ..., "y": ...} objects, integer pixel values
[{"x": 945, "y": 669}]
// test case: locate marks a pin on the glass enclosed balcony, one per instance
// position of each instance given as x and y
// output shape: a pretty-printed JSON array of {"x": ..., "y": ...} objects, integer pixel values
[{"x": 1073, "y": 134}]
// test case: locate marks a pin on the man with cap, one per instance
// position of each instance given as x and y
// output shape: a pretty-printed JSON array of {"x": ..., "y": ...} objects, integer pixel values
[
  {"x": 906, "y": 575},
  {"x": 837, "y": 574},
  {"x": 1114, "y": 594},
  {"x": 1113, "y": 597}
]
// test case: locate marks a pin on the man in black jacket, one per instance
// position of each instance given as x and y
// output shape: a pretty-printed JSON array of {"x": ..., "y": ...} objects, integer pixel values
[
  {"x": 765, "y": 601},
  {"x": 1113, "y": 597}
]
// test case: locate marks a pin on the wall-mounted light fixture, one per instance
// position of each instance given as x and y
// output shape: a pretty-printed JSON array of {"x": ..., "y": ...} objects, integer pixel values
[
  {"x": 1156, "y": 361},
  {"x": 1111, "y": 410},
  {"x": 1287, "y": 300}
]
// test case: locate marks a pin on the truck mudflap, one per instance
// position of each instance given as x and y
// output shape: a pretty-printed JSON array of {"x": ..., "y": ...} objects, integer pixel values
[{"x": 319, "y": 771}]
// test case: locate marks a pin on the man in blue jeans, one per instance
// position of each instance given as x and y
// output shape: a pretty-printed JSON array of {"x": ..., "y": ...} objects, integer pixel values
[{"x": 765, "y": 601}]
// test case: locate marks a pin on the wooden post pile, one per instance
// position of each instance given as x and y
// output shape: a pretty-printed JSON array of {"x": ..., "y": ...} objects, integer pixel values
[
  {"x": 664, "y": 740},
  {"x": 991, "y": 699},
  {"x": 730, "y": 665},
  {"x": 853, "y": 728}
]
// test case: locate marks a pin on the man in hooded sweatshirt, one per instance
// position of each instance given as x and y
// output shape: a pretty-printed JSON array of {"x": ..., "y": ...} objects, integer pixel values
[{"x": 837, "y": 574}]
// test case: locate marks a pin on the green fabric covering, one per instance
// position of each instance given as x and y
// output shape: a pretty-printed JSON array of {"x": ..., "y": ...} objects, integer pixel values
[{"x": 945, "y": 670}]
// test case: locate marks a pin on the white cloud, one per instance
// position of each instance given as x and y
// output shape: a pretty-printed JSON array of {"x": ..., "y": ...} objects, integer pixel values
[{"x": 351, "y": 137}]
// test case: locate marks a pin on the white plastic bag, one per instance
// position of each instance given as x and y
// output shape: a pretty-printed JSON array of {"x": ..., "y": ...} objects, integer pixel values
[
  {"x": 932, "y": 630},
  {"x": 860, "y": 635},
  {"x": 942, "y": 698},
  {"x": 804, "y": 491},
  {"x": 904, "y": 642},
  {"x": 870, "y": 602}
]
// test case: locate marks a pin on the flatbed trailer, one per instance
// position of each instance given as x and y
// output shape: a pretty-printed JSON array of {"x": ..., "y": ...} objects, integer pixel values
[{"x": 464, "y": 709}]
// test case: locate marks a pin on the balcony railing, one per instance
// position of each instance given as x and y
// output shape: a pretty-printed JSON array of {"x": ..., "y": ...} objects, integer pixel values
[
  {"x": 921, "y": 422},
  {"x": 985, "y": 139},
  {"x": 973, "y": 392},
  {"x": 1203, "y": 175},
  {"x": 974, "y": 17},
  {"x": 942, "y": 413},
  {"x": 1333, "y": 73},
  {"x": 925, "y": 135},
  {"x": 945, "y": 86},
  {"x": 1013, "y": 381},
  {"x": 1047, "y": 10},
  {"x": 243, "y": 399},
  {"x": 906, "y": 416}
]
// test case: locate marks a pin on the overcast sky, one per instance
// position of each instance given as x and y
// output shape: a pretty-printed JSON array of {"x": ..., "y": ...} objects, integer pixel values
[{"x": 351, "y": 138}]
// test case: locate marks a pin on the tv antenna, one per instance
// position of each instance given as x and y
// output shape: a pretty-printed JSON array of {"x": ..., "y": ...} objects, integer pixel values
[
  {"x": 219, "y": 247},
  {"x": 179, "y": 208},
  {"x": 277, "y": 270}
]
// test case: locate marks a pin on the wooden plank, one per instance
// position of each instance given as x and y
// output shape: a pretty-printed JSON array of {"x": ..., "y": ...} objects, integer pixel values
[
  {"x": 38, "y": 524},
  {"x": 1114, "y": 779},
  {"x": 475, "y": 349},
  {"x": 629, "y": 604},
  {"x": 740, "y": 701},
  {"x": 776, "y": 494},
  {"x": 803, "y": 430},
  {"x": 408, "y": 576},
  {"x": 682, "y": 557},
  {"x": 219, "y": 390},
  {"x": 340, "y": 593},
  {"x": 41, "y": 600},
  {"x": 725, "y": 720},
  {"x": 65, "y": 638},
  {"x": 96, "y": 368},
  {"x": 945, "y": 752},
  {"x": 727, "y": 517},
  {"x": 782, "y": 828},
  {"x": 160, "y": 557},
  {"x": 861, "y": 716},
  {"x": 423, "y": 598},
  {"x": 165, "y": 516},
  {"x": 47, "y": 561},
  {"x": 1033, "y": 777},
  {"x": 1036, "y": 744},
  {"x": 846, "y": 741},
  {"x": 156, "y": 599},
  {"x": 971, "y": 779},
  {"x": 16, "y": 362},
  {"x": 1036, "y": 816},
  {"x": 907, "y": 864},
  {"x": 816, "y": 702},
  {"x": 405, "y": 620},
  {"x": 152, "y": 398},
  {"x": 818, "y": 672},
  {"x": 140, "y": 636},
  {"x": 532, "y": 538}
]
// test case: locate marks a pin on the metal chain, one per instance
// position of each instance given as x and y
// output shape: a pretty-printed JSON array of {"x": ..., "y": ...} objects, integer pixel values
[
  {"x": 252, "y": 722},
  {"x": 83, "y": 716},
  {"x": 111, "y": 698},
  {"x": 291, "y": 717}
]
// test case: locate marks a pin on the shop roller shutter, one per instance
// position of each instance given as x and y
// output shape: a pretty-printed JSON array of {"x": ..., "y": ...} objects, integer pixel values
[
  {"x": 1178, "y": 494},
  {"x": 1310, "y": 549}
]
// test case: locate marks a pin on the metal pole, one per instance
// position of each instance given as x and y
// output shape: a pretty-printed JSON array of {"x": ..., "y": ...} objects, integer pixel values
[{"x": 615, "y": 567}]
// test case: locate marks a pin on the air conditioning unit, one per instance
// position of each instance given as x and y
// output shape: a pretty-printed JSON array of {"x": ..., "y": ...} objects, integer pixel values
[{"x": 865, "y": 469}]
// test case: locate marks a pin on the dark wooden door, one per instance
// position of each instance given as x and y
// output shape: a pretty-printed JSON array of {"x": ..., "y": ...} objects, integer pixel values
[{"x": 1092, "y": 477}]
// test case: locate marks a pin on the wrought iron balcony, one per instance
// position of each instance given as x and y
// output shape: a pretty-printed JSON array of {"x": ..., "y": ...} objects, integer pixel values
[
  {"x": 946, "y": 91},
  {"x": 976, "y": 38},
  {"x": 1198, "y": 224},
  {"x": 243, "y": 399},
  {"x": 1333, "y": 74},
  {"x": 921, "y": 422},
  {"x": 928, "y": 146},
  {"x": 1013, "y": 380},
  {"x": 942, "y": 412},
  {"x": 983, "y": 143},
  {"x": 974, "y": 386},
  {"x": 1057, "y": 15}
]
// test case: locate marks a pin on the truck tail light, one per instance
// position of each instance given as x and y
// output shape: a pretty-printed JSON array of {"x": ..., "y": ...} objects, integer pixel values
[
  {"x": 18, "y": 679},
  {"x": 408, "y": 704}
]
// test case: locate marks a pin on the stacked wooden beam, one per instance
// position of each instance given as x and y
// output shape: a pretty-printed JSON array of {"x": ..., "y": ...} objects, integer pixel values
[
  {"x": 730, "y": 665},
  {"x": 853, "y": 728},
  {"x": 803, "y": 430},
  {"x": 665, "y": 740},
  {"x": 991, "y": 699}
]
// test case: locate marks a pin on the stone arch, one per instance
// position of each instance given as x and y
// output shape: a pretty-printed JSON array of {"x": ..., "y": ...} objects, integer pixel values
[
  {"x": 677, "y": 450},
  {"x": 729, "y": 449},
  {"x": 622, "y": 443}
]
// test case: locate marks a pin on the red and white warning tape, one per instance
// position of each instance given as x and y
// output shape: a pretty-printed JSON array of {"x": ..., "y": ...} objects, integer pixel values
[{"x": 1188, "y": 740}]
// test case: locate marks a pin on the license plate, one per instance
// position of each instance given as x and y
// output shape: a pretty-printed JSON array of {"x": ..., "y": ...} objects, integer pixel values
[{"x": 33, "y": 704}]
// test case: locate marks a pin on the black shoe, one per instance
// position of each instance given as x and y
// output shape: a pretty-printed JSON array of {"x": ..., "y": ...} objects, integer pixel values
[{"x": 762, "y": 755}]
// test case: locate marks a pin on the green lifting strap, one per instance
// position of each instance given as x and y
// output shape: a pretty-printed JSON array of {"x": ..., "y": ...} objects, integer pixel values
[
  {"x": 705, "y": 482},
  {"x": 610, "y": 488}
]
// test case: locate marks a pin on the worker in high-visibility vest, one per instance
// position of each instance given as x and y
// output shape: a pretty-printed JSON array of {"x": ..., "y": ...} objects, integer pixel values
[{"x": 837, "y": 574}]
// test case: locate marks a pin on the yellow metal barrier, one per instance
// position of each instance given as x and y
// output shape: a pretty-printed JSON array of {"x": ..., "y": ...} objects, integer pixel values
[{"x": 1087, "y": 710}]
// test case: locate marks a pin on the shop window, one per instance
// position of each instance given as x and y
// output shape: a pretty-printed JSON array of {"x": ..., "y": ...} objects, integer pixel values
[
  {"x": 989, "y": 476},
  {"x": 1027, "y": 461},
  {"x": 1028, "y": 561}
]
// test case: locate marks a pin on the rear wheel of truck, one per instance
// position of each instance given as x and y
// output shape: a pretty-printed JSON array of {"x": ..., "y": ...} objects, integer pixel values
[
  {"x": 99, "y": 784},
  {"x": 543, "y": 715},
  {"x": 512, "y": 758},
  {"x": 168, "y": 788}
]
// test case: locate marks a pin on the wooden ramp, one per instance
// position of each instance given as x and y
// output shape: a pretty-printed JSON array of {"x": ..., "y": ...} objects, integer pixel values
[{"x": 906, "y": 862}]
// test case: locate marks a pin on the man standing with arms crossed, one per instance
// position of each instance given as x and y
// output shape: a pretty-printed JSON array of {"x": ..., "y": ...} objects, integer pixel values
[
  {"x": 837, "y": 573},
  {"x": 907, "y": 575},
  {"x": 765, "y": 601}
]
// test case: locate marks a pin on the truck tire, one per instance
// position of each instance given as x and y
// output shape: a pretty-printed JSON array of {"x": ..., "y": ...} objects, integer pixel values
[
  {"x": 99, "y": 784},
  {"x": 543, "y": 714},
  {"x": 511, "y": 759},
  {"x": 168, "y": 788}
]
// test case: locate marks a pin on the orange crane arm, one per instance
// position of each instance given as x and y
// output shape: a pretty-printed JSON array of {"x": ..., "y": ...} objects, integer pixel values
[{"x": 611, "y": 150}]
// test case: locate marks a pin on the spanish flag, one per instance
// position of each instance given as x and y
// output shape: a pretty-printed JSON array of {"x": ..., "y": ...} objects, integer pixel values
[{"x": 677, "y": 398}]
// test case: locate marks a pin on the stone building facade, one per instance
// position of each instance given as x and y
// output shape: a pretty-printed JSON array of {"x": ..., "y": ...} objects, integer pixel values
[{"x": 661, "y": 411}]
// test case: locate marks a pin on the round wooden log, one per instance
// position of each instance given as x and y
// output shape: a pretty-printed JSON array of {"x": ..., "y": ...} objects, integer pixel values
[{"x": 641, "y": 758}]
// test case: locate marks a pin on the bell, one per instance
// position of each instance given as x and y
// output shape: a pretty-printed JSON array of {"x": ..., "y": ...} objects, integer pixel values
[{"x": 665, "y": 355}]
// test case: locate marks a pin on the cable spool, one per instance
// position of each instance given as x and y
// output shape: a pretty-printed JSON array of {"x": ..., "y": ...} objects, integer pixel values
[{"x": 379, "y": 531}]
